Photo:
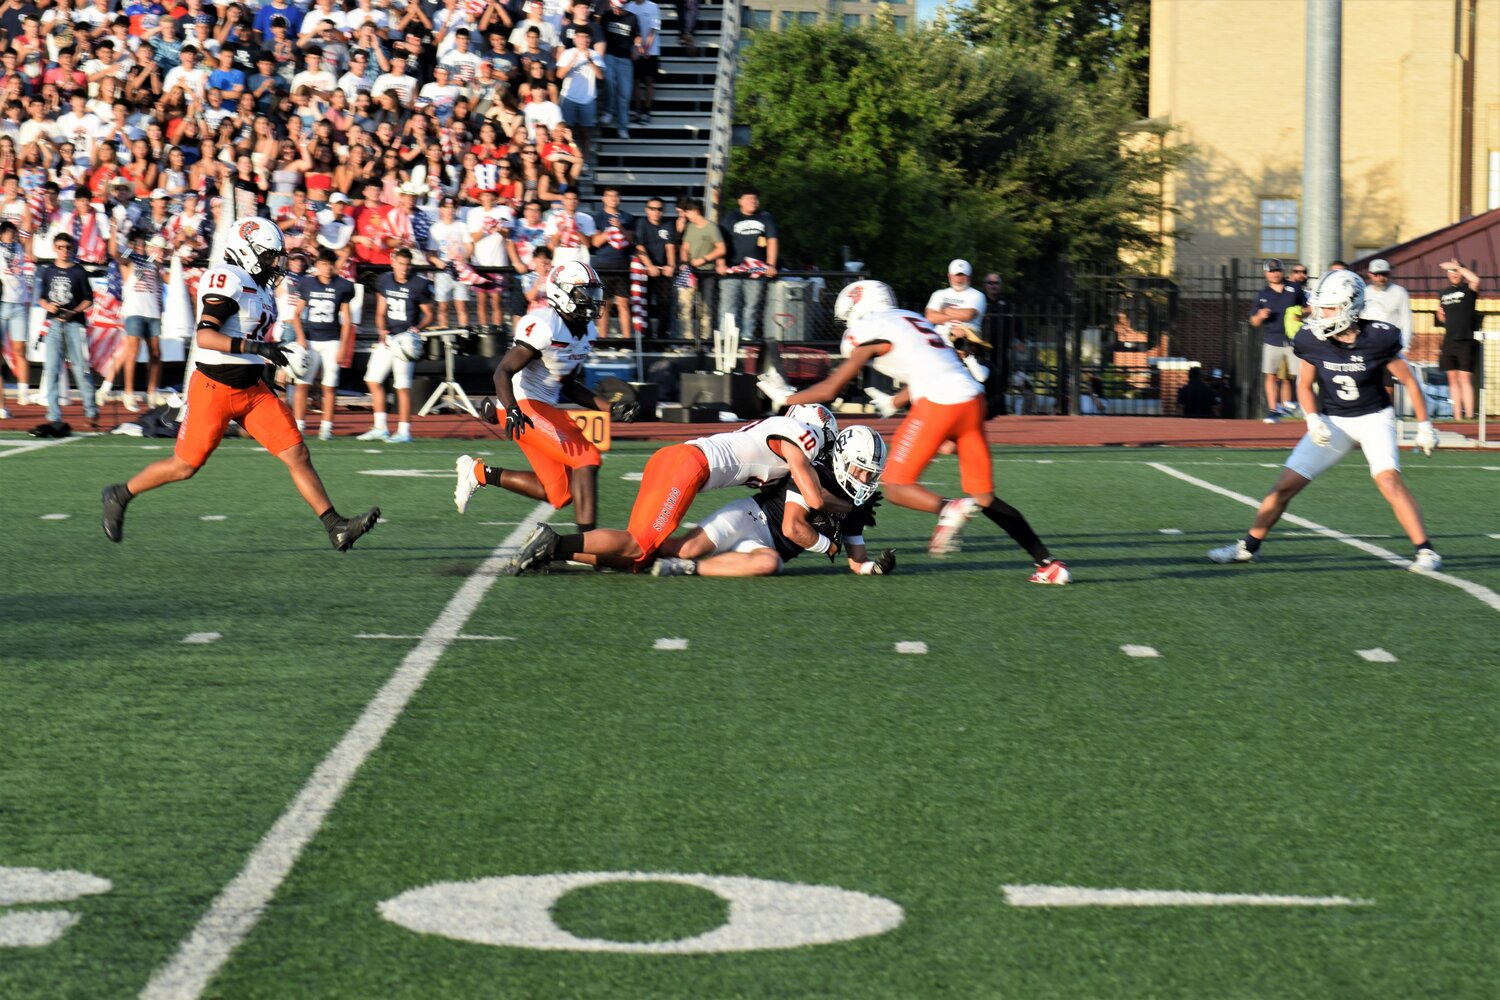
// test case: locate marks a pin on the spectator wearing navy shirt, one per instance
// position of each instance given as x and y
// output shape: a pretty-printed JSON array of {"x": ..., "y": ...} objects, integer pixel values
[
  {"x": 1276, "y": 361},
  {"x": 656, "y": 247},
  {"x": 614, "y": 245},
  {"x": 749, "y": 262}
]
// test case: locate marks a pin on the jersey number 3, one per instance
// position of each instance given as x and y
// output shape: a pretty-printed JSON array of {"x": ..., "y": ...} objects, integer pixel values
[{"x": 1347, "y": 388}]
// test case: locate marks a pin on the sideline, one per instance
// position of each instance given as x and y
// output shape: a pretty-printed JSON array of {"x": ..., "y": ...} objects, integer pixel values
[
  {"x": 1475, "y": 590},
  {"x": 240, "y": 904}
]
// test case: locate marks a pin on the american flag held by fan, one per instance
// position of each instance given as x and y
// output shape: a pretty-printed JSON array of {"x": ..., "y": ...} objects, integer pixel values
[{"x": 105, "y": 326}]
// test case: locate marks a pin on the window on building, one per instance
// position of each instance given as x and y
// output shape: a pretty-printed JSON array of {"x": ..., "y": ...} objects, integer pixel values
[
  {"x": 757, "y": 20},
  {"x": 1494, "y": 198},
  {"x": 785, "y": 20},
  {"x": 851, "y": 21},
  {"x": 900, "y": 22},
  {"x": 808, "y": 17},
  {"x": 1278, "y": 226}
]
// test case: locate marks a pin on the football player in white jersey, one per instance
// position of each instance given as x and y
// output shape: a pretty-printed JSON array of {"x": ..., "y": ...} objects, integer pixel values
[
  {"x": 757, "y": 536},
  {"x": 236, "y": 315},
  {"x": 756, "y": 454},
  {"x": 546, "y": 364},
  {"x": 947, "y": 404}
]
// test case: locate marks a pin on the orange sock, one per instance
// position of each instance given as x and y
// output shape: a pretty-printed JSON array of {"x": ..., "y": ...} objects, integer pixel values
[{"x": 479, "y": 472}]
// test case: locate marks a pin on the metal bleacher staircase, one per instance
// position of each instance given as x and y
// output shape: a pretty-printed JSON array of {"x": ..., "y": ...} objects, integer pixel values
[{"x": 685, "y": 148}]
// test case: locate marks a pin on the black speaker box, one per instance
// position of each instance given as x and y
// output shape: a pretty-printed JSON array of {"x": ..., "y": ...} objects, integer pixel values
[
  {"x": 648, "y": 395},
  {"x": 725, "y": 390}
]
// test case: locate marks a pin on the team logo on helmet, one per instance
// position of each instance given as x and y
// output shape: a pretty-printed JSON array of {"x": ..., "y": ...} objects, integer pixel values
[{"x": 247, "y": 229}]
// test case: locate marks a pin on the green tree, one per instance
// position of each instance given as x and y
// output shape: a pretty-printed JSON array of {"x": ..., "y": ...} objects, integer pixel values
[{"x": 915, "y": 148}]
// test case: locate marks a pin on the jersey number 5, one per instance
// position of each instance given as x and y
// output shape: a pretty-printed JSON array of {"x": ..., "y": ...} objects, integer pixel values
[{"x": 923, "y": 327}]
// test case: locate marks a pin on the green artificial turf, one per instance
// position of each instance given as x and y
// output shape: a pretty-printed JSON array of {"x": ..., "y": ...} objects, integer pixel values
[{"x": 1257, "y": 753}]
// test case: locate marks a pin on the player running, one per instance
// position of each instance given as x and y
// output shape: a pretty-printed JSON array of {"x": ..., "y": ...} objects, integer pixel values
[
  {"x": 758, "y": 453},
  {"x": 757, "y": 536},
  {"x": 1346, "y": 357},
  {"x": 551, "y": 346},
  {"x": 236, "y": 313},
  {"x": 947, "y": 404}
]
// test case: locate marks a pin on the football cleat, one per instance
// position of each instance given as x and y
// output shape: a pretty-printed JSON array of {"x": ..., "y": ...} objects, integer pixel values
[
  {"x": 115, "y": 498},
  {"x": 467, "y": 483},
  {"x": 344, "y": 534},
  {"x": 668, "y": 566},
  {"x": 536, "y": 552},
  {"x": 1427, "y": 561},
  {"x": 375, "y": 434},
  {"x": 951, "y": 520},
  {"x": 399, "y": 438},
  {"x": 1053, "y": 572},
  {"x": 1231, "y": 553}
]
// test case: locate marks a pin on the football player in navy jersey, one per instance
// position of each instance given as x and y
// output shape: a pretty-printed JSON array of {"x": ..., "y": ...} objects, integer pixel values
[{"x": 1346, "y": 356}]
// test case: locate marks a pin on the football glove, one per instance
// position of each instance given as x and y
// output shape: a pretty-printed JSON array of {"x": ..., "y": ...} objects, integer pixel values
[
  {"x": 882, "y": 401},
  {"x": 271, "y": 351},
  {"x": 489, "y": 410},
  {"x": 775, "y": 388},
  {"x": 516, "y": 423},
  {"x": 1318, "y": 428},
  {"x": 1426, "y": 437}
]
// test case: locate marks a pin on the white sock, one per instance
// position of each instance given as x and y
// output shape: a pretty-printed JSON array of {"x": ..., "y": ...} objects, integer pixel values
[
  {"x": 403, "y": 429},
  {"x": 302, "y": 425},
  {"x": 106, "y": 385},
  {"x": 326, "y": 425},
  {"x": 380, "y": 423}
]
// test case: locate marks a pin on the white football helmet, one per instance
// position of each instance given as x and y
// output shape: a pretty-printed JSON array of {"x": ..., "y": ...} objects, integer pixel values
[
  {"x": 1343, "y": 291},
  {"x": 817, "y": 416},
  {"x": 575, "y": 291},
  {"x": 256, "y": 247},
  {"x": 862, "y": 298},
  {"x": 858, "y": 460}
]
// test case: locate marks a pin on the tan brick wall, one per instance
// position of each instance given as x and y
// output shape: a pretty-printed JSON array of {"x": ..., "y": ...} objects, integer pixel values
[{"x": 1229, "y": 75}]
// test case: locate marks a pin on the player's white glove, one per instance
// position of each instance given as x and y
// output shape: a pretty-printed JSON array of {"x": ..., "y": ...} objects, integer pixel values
[
  {"x": 882, "y": 401},
  {"x": 775, "y": 388},
  {"x": 1426, "y": 437},
  {"x": 1319, "y": 430}
]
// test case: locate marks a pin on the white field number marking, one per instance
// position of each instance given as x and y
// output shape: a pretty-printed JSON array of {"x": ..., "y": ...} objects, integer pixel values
[
  {"x": 515, "y": 911},
  {"x": 1478, "y": 591},
  {"x": 1072, "y": 895},
  {"x": 1145, "y": 652},
  {"x": 37, "y": 928},
  {"x": 240, "y": 904}
]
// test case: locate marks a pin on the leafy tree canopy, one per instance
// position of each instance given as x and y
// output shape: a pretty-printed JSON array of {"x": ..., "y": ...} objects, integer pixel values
[{"x": 914, "y": 148}]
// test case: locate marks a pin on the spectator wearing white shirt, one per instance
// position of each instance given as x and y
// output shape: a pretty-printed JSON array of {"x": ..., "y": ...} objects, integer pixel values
[
  {"x": 80, "y": 127},
  {"x": 323, "y": 11},
  {"x": 960, "y": 302},
  {"x": 648, "y": 16},
  {"x": 461, "y": 63},
  {"x": 534, "y": 19},
  {"x": 107, "y": 63},
  {"x": 541, "y": 110},
  {"x": 314, "y": 77},
  {"x": 1387, "y": 301},
  {"x": 440, "y": 94},
  {"x": 188, "y": 77},
  {"x": 569, "y": 231},
  {"x": 448, "y": 240},
  {"x": 581, "y": 70},
  {"x": 405, "y": 87},
  {"x": 489, "y": 226}
]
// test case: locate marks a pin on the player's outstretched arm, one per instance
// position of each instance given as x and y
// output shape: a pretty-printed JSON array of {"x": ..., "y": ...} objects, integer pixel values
[
  {"x": 806, "y": 478},
  {"x": 515, "y": 359},
  {"x": 827, "y": 390}
]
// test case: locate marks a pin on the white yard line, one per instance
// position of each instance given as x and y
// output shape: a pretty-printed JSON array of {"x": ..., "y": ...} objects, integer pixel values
[
  {"x": 239, "y": 905},
  {"x": 7, "y": 450},
  {"x": 1073, "y": 895},
  {"x": 1475, "y": 590}
]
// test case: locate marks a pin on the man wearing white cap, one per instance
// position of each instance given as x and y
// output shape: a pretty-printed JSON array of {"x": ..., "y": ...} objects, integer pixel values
[
  {"x": 1387, "y": 301},
  {"x": 960, "y": 302}
]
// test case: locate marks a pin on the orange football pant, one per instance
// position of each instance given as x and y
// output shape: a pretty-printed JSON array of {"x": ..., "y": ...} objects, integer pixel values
[
  {"x": 923, "y": 432},
  {"x": 212, "y": 405},
  {"x": 673, "y": 477},
  {"x": 554, "y": 446}
]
